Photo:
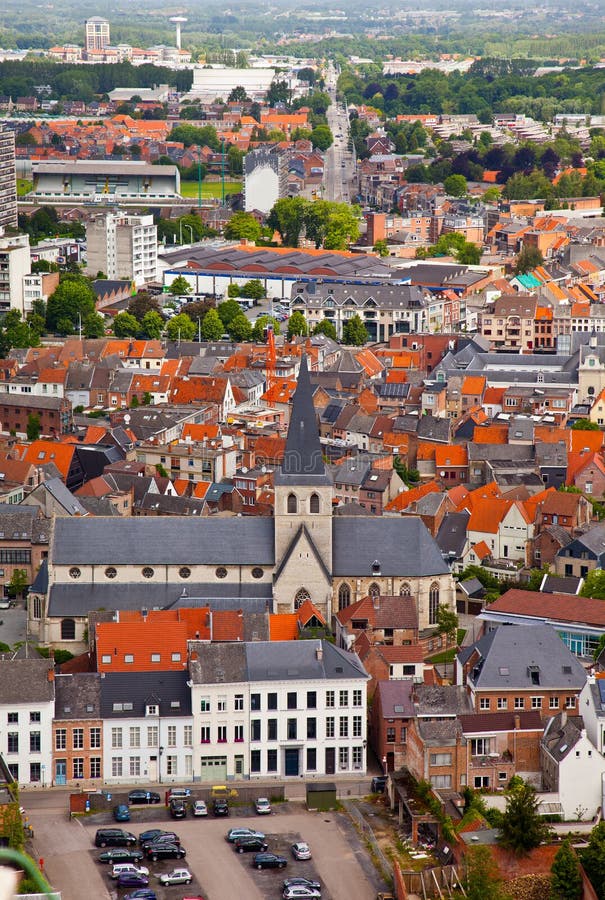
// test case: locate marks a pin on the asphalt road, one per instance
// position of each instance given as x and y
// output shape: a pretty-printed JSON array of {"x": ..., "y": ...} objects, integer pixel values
[
  {"x": 339, "y": 167},
  {"x": 13, "y": 622},
  {"x": 338, "y": 855}
]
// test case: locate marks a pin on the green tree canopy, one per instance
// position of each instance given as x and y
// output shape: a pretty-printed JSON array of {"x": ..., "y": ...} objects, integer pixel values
[
  {"x": 593, "y": 859},
  {"x": 258, "y": 331},
  {"x": 34, "y": 427},
  {"x": 566, "y": 878},
  {"x": 125, "y": 325},
  {"x": 594, "y": 584},
  {"x": 239, "y": 328},
  {"x": 227, "y": 311},
  {"x": 180, "y": 286},
  {"x": 94, "y": 326},
  {"x": 354, "y": 332},
  {"x": 180, "y": 328},
  {"x": 142, "y": 303},
  {"x": 212, "y": 326},
  {"x": 242, "y": 225},
  {"x": 297, "y": 325},
  {"x": 287, "y": 216},
  {"x": 322, "y": 137},
  {"x": 528, "y": 259},
  {"x": 584, "y": 425},
  {"x": 455, "y": 185},
  {"x": 522, "y": 828},
  {"x": 190, "y": 135},
  {"x": 72, "y": 296},
  {"x": 326, "y": 327},
  {"x": 152, "y": 325},
  {"x": 381, "y": 248},
  {"x": 483, "y": 878},
  {"x": 253, "y": 289}
]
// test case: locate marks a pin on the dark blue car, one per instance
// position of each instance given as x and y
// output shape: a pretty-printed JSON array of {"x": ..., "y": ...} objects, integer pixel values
[
  {"x": 121, "y": 813},
  {"x": 132, "y": 879},
  {"x": 141, "y": 894}
]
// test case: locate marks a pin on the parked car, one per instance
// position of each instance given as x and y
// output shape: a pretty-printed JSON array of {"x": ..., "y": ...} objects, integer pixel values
[
  {"x": 132, "y": 879},
  {"x": 235, "y": 833},
  {"x": 220, "y": 807},
  {"x": 299, "y": 892},
  {"x": 301, "y": 850},
  {"x": 246, "y": 844},
  {"x": 114, "y": 837},
  {"x": 177, "y": 876},
  {"x": 141, "y": 894},
  {"x": 269, "y": 861},
  {"x": 199, "y": 808},
  {"x": 146, "y": 837},
  {"x": 178, "y": 794},
  {"x": 140, "y": 796},
  {"x": 120, "y": 855},
  {"x": 165, "y": 851},
  {"x": 122, "y": 868},
  {"x": 378, "y": 784},
  {"x": 121, "y": 813},
  {"x": 166, "y": 837},
  {"x": 177, "y": 808},
  {"x": 223, "y": 792},
  {"x": 304, "y": 882},
  {"x": 262, "y": 806}
]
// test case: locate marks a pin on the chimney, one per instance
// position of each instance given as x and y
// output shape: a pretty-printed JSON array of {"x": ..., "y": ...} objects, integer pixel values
[
  {"x": 144, "y": 614},
  {"x": 563, "y": 719},
  {"x": 51, "y": 675},
  {"x": 517, "y": 722},
  {"x": 319, "y": 653}
]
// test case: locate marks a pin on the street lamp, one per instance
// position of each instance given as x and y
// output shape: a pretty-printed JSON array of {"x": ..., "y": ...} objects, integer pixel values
[
  {"x": 384, "y": 765},
  {"x": 190, "y": 227},
  {"x": 160, "y": 751}
]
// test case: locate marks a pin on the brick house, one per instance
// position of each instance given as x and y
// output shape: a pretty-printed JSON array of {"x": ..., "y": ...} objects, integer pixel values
[
  {"x": 569, "y": 511},
  {"x": 24, "y": 537},
  {"x": 385, "y": 662},
  {"x": 391, "y": 715},
  {"x": 519, "y": 668},
  {"x": 77, "y": 730},
  {"x": 582, "y": 554},
  {"x": 548, "y": 543},
  {"x": 500, "y": 745},
  {"x": 55, "y": 414},
  {"x": 590, "y": 477},
  {"x": 384, "y": 620}
]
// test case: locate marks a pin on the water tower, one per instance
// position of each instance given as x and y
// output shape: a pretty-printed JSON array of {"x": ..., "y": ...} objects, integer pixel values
[{"x": 178, "y": 21}]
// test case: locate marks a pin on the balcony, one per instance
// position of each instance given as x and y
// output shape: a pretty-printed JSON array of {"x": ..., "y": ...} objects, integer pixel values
[{"x": 502, "y": 761}]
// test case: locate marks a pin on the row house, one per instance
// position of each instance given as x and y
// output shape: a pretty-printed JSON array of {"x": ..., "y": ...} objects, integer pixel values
[
  {"x": 277, "y": 709},
  {"x": 24, "y": 539},
  {"x": 583, "y": 554},
  {"x": 213, "y": 460},
  {"x": 77, "y": 729},
  {"x": 517, "y": 323},
  {"x": 27, "y": 705},
  {"x": 521, "y": 668},
  {"x": 54, "y": 414}
]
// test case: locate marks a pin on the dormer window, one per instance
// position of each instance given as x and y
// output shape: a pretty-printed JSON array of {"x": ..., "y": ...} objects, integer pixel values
[
  {"x": 376, "y": 567},
  {"x": 151, "y": 710}
]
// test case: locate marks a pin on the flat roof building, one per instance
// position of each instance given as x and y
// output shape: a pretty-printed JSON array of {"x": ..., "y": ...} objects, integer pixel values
[{"x": 103, "y": 182}]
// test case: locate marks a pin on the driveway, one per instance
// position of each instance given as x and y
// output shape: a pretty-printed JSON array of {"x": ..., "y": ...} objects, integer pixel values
[{"x": 339, "y": 857}]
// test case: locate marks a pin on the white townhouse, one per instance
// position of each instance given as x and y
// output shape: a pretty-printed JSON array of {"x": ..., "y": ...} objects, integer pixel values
[
  {"x": 27, "y": 707},
  {"x": 282, "y": 709},
  {"x": 147, "y": 727}
]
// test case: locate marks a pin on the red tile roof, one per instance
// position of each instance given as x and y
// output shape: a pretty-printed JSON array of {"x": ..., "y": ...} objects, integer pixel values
[{"x": 553, "y": 607}]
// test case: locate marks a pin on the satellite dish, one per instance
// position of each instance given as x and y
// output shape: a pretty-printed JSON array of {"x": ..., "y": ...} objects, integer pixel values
[
  {"x": 127, "y": 419},
  {"x": 244, "y": 469},
  {"x": 263, "y": 469}
]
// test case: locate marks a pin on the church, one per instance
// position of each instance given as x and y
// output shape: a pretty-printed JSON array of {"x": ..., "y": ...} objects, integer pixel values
[{"x": 249, "y": 563}]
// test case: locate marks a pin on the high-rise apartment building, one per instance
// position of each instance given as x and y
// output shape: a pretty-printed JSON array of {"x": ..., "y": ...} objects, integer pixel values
[
  {"x": 123, "y": 246},
  {"x": 15, "y": 264},
  {"x": 97, "y": 34},
  {"x": 8, "y": 178}
]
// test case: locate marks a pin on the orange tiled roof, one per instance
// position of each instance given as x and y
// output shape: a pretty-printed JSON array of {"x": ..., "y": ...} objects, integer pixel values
[
  {"x": 473, "y": 384},
  {"x": 487, "y": 514},
  {"x": 41, "y": 452},
  {"x": 406, "y": 498},
  {"x": 452, "y": 455},
  {"x": 491, "y": 434},
  {"x": 494, "y": 395},
  {"x": 200, "y": 432},
  {"x": 283, "y": 626},
  {"x": 481, "y": 550},
  {"x": 118, "y": 640}
]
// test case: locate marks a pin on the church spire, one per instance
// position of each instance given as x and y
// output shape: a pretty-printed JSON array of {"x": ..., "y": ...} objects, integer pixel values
[{"x": 303, "y": 461}]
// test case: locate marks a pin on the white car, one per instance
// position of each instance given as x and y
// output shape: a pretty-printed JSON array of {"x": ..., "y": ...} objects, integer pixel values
[
  {"x": 301, "y": 850},
  {"x": 200, "y": 808},
  {"x": 262, "y": 806},
  {"x": 299, "y": 892},
  {"x": 177, "y": 876},
  {"x": 128, "y": 869}
]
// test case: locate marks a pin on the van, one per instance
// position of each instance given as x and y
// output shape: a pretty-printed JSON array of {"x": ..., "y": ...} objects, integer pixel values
[
  {"x": 221, "y": 791},
  {"x": 167, "y": 837}
]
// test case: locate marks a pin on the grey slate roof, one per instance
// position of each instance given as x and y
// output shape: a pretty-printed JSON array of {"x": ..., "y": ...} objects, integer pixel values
[
  {"x": 396, "y": 699},
  {"x": 561, "y": 735},
  {"x": 78, "y": 696},
  {"x": 284, "y": 660},
  {"x": 71, "y": 600},
  {"x": 513, "y": 655},
  {"x": 63, "y": 496},
  {"x": 26, "y": 681},
  {"x": 303, "y": 461},
  {"x": 436, "y": 701},
  {"x": 401, "y": 544},
  {"x": 143, "y": 688},
  {"x": 164, "y": 541}
]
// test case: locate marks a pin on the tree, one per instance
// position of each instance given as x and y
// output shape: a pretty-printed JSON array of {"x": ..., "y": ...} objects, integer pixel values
[
  {"x": 447, "y": 625},
  {"x": 72, "y": 296},
  {"x": 381, "y": 247},
  {"x": 288, "y": 217},
  {"x": 94, "y": 326},
  {"x": 260, "y": 326},
  {"x": 469, "y": 254},
  {"x": 455, "y": 185},
  {"x": 593, "y": 859},
  {"x": 180, "y": 286},
  {"x": 297, "y": 325},
  {"x": 180, "y": 328},
  {"x": 228, "y": 310},
  {"x": 141, "y": 304},
  {"x": 322, "y": 138},
  {"x": 33, "y": 427},
  {"x": 482, "y": 875},
  {"x": 584, "y": 425},
  {"x": 18, "y": 583},
  {"x": 233, "y": 290},
  {"x": 566, "y": 878},
  {"x": 253, "y": 289},
  {"x": 522, "y": 827},
  {"x": 125, "y": 325},
  {"x": 242, "y": 225},
  {"x": 212, "y": 328},
  {"x": 152, "y": 325},
  {"x": 238, "y": 95},
  {"x": 528, "y": 259},
  {"x": 594, "y": 584},
  {"x": 239, "y": 328},
  {"x": 16, "y": 333},
  {"x": 326, "y": 327},
  {"x": 355, "y": 332}
]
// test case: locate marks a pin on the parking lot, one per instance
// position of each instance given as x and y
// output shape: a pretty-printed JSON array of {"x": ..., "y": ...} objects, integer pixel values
[{"x": 340, "y": 861}]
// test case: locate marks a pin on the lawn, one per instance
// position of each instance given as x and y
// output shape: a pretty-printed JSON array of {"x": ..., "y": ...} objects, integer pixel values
[
  {"x": 23, "y": 187},
  {"x": 210, "y": 189}
]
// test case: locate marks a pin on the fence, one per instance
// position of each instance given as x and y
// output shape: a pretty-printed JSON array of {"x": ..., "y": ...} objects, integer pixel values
[
  {"x": 438, "y": 881},
  {"x": 386, "y": 869}
]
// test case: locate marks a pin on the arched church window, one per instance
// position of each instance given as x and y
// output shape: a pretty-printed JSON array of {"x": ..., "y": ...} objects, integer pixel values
[
  {"x": 314, "y": 503},
  {"x": 344, "y": 595},
  {"x": 374, "y": 590},
  {"x": 433, "y": 603},
  {"x": 301, "y": 595},
  {"x": 292, "y": 503},
  {"x": 405, "y": 590}
]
